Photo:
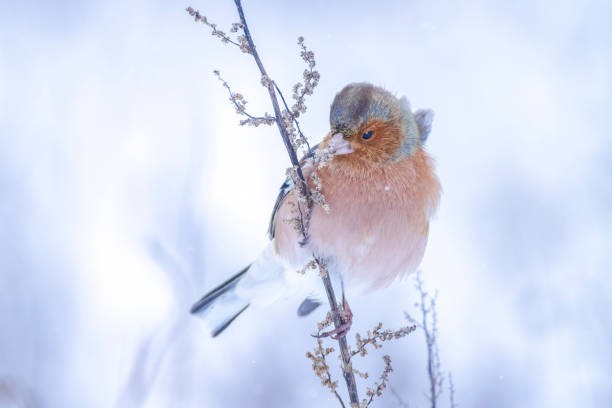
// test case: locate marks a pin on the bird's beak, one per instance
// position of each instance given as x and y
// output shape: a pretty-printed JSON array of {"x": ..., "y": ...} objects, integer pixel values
[{"x": 339, "y": 145}]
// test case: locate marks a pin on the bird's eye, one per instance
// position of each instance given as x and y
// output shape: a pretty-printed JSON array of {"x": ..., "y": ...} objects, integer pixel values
[{"x": 367, "y": 135}]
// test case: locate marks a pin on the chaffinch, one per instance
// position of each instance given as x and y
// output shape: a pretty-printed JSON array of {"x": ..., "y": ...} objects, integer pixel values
[{"x": 380, "y": 189}]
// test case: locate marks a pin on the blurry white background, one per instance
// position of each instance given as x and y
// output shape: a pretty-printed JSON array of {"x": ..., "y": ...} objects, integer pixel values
[{"x": 127, "y": 189}]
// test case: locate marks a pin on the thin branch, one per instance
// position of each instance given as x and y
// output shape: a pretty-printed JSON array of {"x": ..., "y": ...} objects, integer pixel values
[
  {"x": 240, "y": 103},
  {"x": 427, "y": 307},
  {"x": 339, "y": 399},
  {"x": 374, "y": 337},
  {"x": 217, "y": 33},
  {"x": 451, "y": 388},
  {"x": 380, "y": 387},
  {"x": 347, "y": 367},
  {"x": 399, "y": 399},
  {"x": 346, "y": 358},
  {"x": 320, "y": 366},
  {"x": 302, "y": 186},
  {"x": 277, "y": 112},
  {"x": 297, "y": 123},
  {"x": 311, "y": 80}
]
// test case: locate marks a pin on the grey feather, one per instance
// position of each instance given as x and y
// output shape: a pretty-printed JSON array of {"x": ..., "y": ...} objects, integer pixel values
[
  {"x": 308, "y": 306},
  {"x": 219, "y": 329},
  {"x": 424, "y": 119},
  {"x": 207, "y": 300},
  {"x": 220, "y": 307},
  {"x": 285, "y": 188}
]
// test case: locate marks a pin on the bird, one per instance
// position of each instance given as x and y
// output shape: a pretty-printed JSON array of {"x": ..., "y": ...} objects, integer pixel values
[{"x": 380, "y": 191}]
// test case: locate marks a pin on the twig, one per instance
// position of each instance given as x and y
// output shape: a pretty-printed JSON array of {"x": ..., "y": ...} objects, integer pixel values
[
  {"x": 427, "y": 306},
  {"x": 297, "y": 123},
  {"x": 380, "y": 387},
  {"x": 451, "y": 388},
  {"x": 240, "y": 104},
  {"x": 347, "y": 367},
  {"x": 374, "y": 337},
  {"x": 218, "y": 33},
  {"x": 302, "y": 186},
  {"x": 321, "y": 368},
  {"x": 399, "y": 399},
  {"x": 346, "y": 358},
  {"x": 277, "y": 112}
]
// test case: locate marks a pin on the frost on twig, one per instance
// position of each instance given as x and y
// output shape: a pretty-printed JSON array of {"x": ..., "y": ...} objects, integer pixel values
[
  {"x": 311, "y": 79},
  {"x": 308, "y": 195},
  {"x": 239, "y": 102},
  {"x": 311, "y": 265},
  {"x": 379, "y": 386},
  {"x": 240, "y": 41},
  {"x": 286, "y": 119},
  {"x": 374, "y": 338},
  {"x": 321, "y": 368},
  {"x": 377, "y": 336}
]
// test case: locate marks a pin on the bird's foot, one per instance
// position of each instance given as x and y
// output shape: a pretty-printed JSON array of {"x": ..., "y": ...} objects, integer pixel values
[{"x": 346, "y": 318}]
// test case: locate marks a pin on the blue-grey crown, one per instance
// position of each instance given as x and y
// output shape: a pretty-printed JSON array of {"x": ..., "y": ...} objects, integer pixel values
[{"x": 358, "y": 103}]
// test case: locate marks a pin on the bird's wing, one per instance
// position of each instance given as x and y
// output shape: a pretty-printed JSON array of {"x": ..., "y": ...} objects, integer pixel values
[{"x": 285, "y": 188}]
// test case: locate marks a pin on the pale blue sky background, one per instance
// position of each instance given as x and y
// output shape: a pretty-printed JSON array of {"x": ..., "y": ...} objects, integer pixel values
[{"x": 127, "y": 189}]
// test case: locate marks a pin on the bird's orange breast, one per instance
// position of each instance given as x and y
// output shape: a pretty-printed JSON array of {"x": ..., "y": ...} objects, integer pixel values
[{"x": 378, "y": 220}]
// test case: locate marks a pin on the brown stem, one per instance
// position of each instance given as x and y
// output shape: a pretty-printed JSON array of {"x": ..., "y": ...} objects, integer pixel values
[
  {"x": 270, "y": 87},
  {"x": 303, "y": 188},
  {"x": 347, "y": 369}
]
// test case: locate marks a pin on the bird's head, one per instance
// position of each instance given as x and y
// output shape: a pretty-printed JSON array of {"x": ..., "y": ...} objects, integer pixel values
[{"x": 371, "y": 124}]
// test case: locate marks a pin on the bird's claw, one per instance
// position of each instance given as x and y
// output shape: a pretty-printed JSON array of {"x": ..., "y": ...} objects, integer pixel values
[{"x": 346, "y": 317}]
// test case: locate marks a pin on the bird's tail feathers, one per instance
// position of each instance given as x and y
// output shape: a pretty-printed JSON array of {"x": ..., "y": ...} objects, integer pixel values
[
  {"x": 259, "y": 284},
  {"x": 221, "y": 306}
]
